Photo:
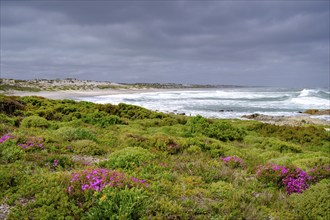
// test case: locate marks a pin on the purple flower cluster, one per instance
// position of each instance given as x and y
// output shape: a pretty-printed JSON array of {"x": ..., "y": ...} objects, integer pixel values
[
  {"x": 6, "y": 137},
  {"x": 33, "y": 143},
  {"x": 97, "y": 179},
  {"x": 233, "y": 161},
  {"x": 293, "y": 179},
  {"x": 55, "y": 163},
  {"x": 296, "y": 181}
]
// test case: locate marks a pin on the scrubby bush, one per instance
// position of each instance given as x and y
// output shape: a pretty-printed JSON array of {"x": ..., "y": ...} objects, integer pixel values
[
  {"x": 165, "y": 143},
  {"x": 319, "y": 173},
  {"x": 98, "y": 179},
  {"x": 308, "y": 163},
  {"x": 224, "y": 131},
  {"x": 58, "y": 162},
  {"x": 128, "y": 158},
  {"x": 12, "y": 175},
  {"x": 222, "y": 189},
  {"x": 194, "y": 149},
  {"x": 10, "y": 104},
  {"x": 87, "y": 147},
  {"x": 233, "y": 162},
  {"x": 35, "y": 122},
  {"x": 102, "y": 119},
  {"x": 293, "y": 179},
  {"x": 218, "y": 129},
  {"x": 179, "y": 156},
  {"x": 314, "y": 203},
  {"x": 10, "y": 152},
  {"x": 281, "y": 146},
  {"x": 133, "y": 112},
  {"x": 70, "y": 134},
  {"x": 4, "y": 119},
  {"x": 32, "y": 144},
  {"x": 113, "y": 203},
  {"x": 310, "y": 134},
  {"x": 6, "y": 137},
  {"x": 197, "y": 124},
  {"x": 45, "y": 197}
]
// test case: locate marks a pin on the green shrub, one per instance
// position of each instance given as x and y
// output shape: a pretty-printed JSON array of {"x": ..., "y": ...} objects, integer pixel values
[
  {"x": 58, "y": 162},
  {"x": 194, "y": 149},
  {"x": 302, "y": 135},
  {"x": 165, "y": 143},
  {"x": 165, "y": 208},
  {"x": 128, "y": 158},
  {"x": 10, "y": 152},
  {"x": 102, "y": 119},
  {"x": 281, "y": 146},
  {"x": 35, "y": 122},
  {"x": 131, "y": 112},
  {"x": 115, "y": 204},
  {"x": 314, "y": 203},
  {"x": 222, "y": 189},
  {"x": 224, "y": 131},
  {"x": 4, "y": 119},
  {"x": 197, "y": 124},
  {"x": 11, "y": 175},
  {"x": 87, "y": 147},
  {"x": 46, "y": 198},
  {"x": 70, "y": 134},
  {"x": 308, "y": 163}
]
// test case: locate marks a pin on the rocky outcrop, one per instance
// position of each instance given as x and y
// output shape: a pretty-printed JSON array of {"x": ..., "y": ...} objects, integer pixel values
[
  {"x": 283, "y": 120},
  {"x": 317, "y": 112}
]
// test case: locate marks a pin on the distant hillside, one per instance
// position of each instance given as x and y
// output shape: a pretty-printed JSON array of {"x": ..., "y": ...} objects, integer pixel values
[{"x": 76, "y": 84}]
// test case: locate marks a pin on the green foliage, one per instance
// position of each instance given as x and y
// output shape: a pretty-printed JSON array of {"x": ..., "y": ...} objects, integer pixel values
[
  {"x": 35, "y": 122},
  {"x": 71, "y": 134},
  {"x": 224, "y": 131},
  {"x": 221, "y": 189},
  {"x": 128, "y": 158},
  {"x": 87, "y": 147},
  {"x": 10, "y": 152},
  {"x": 115, "y": 204},
  {"x": 281, "y": 146},
  {"x": 11, "y": 176},
  {"x": 102, "y": 119},
  {"x": 310, "y": 134},
  {"x": 4, "y": 119},
  {"x": 50, "y": 200},
  {"x": 308, "y": 163},
  {"x": 178, "y": 159},
  {"x": 314, "y": 203},
  {"x": 165, "y": 143},
  {"x": 219, "y": 130},
  {"x": 197, "y": 124},
  {"x": 193, "y": 149}
]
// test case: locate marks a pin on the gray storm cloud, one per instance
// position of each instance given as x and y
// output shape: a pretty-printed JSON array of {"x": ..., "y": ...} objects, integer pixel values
[{"x": 275, "y": 43}]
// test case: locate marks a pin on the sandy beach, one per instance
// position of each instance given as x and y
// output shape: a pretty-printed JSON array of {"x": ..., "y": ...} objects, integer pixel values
[{"x": 69, "y": 94}]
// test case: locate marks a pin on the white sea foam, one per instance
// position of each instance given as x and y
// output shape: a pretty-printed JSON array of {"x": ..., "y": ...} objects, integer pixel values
[
  {"x": 308, "y": 92},
  {"x": 225, "y": 103}
]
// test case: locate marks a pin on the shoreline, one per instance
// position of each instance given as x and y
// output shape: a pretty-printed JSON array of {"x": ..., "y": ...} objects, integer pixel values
[
  {"x": 297, "y": 120},
  {"x": 69, "y": 94}
]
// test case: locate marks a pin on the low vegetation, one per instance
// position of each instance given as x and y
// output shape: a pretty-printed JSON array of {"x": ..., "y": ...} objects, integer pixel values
[{"x": 61, "y": 159}]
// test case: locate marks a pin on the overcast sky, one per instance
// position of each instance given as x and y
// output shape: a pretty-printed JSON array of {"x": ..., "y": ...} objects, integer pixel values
[{"x": 271, "y": 43}]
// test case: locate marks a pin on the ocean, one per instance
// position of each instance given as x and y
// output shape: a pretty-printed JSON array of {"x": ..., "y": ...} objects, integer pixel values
[{"x": 226, "y": 102}]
